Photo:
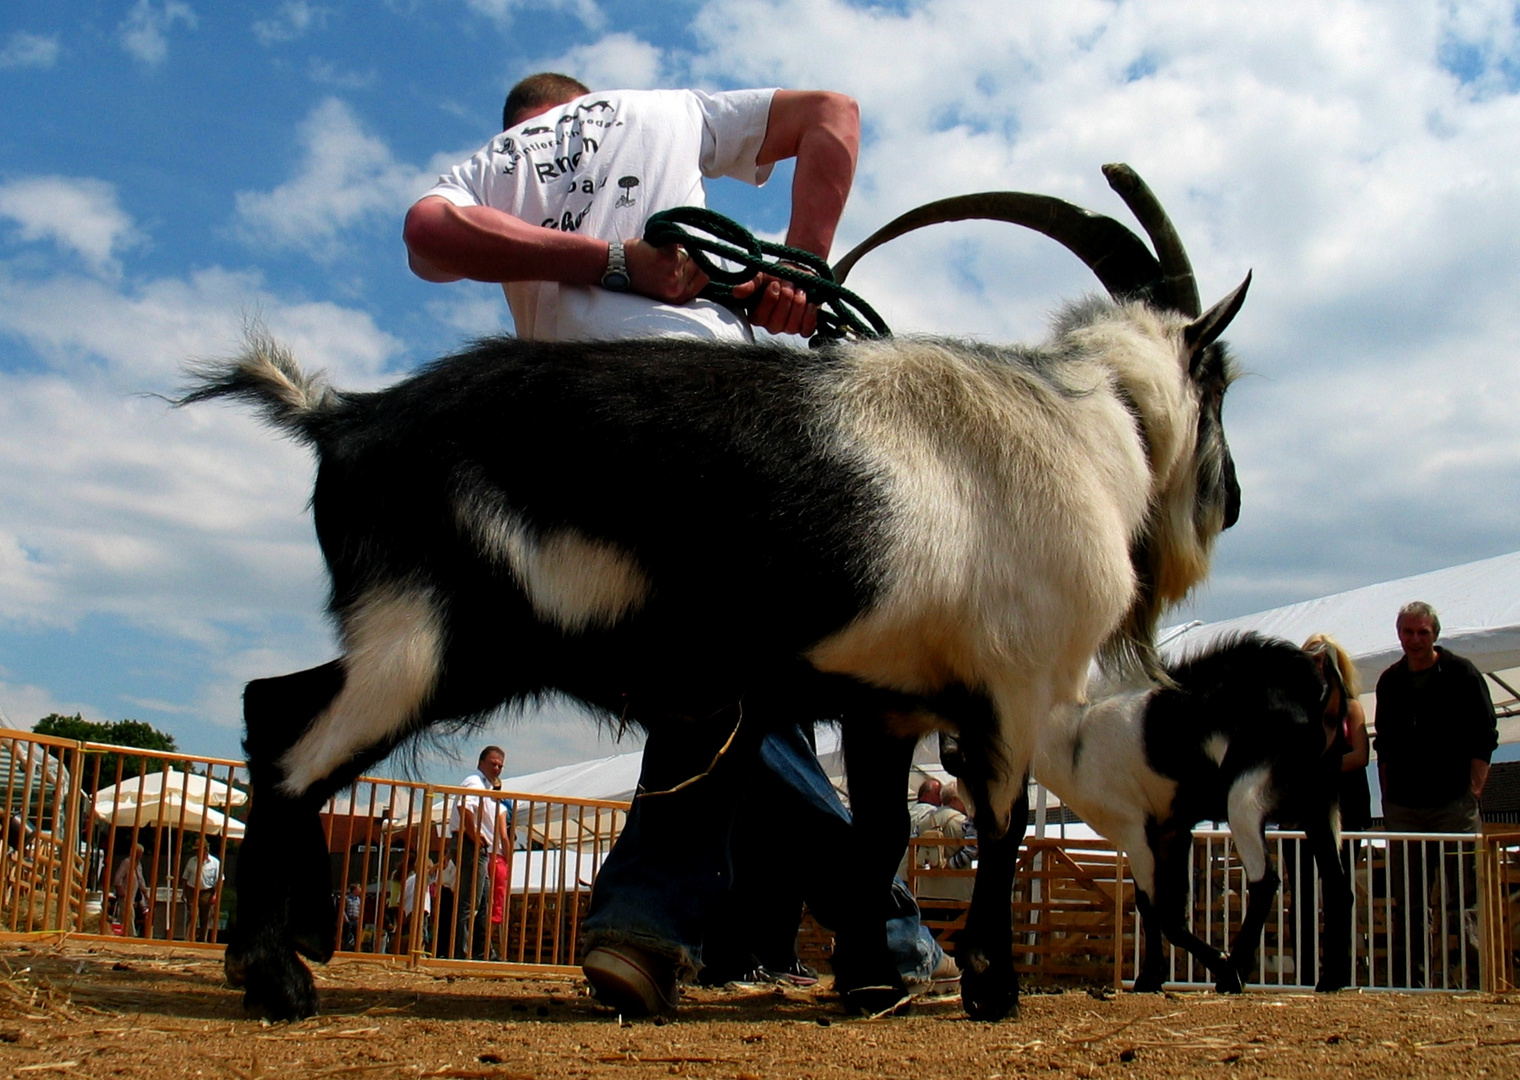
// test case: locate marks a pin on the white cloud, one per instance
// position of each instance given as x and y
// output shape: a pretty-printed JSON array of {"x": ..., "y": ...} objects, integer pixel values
[
  {"x": 346, "y": 179},
  {"x": 79, "y": 214},
  {"x": 505, "y": 11},
  {"x": 294, "y": 19},
  {"x": 24, "y": 50},
  {"x": 145, "y": 31},
  {"x": 616, "y": 61},
  {"x": 1351, "y": 153},
  {"x": 22, "y": 705}
]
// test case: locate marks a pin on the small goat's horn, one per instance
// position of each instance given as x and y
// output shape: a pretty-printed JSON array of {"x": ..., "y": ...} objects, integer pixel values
[
  {"x": 1181, "y": 289},
  {"x": 1116, "y": 255}
]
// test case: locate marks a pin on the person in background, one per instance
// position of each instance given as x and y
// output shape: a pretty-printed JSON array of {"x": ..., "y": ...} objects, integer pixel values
[
  {"x": 353, "y": 913},
  {"x": 131, "y": 889},
  {"x": 1436, "y": 733},
  {"x": 198, "y": 882},
  {"x": 1345, "y": 713},
  {"x": 476, "y": 822}
]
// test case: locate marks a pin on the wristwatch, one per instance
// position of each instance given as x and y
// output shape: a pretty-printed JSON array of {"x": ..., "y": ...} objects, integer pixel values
[{"x": 616, "y": 279}]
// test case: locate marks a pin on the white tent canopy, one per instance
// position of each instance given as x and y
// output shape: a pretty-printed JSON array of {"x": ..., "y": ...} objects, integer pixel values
[
  {"x": 173, "y": 798},
  {"x": 617, "y": 777}
]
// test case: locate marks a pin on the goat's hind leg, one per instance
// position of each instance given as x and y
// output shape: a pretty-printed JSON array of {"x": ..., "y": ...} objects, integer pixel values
[
  {"x": 284, "y": 877},
  {"x": 1173, "y": 846}
]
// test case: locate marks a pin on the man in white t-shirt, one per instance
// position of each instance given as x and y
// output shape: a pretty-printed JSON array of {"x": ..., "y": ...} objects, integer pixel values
[
  {"x": 198, "y": 881},
  {"x": 476, "y": 823},
  {"x": 553, "y": 208}
]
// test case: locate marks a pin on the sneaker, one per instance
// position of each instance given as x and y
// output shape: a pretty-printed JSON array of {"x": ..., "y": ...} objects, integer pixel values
[
  {"x": 945, "y": 979},
  {"x": 631, "y": 980},
  {"x": 795, "y": 974}
]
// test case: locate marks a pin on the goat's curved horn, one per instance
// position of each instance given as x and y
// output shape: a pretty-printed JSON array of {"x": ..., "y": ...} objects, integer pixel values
[
  {"x": 1117, "y": 256},
  {"x": 1181, "y": 289}
]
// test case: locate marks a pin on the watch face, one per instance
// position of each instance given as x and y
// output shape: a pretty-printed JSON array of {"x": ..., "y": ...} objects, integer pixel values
[{"x": 615, "y": 281}]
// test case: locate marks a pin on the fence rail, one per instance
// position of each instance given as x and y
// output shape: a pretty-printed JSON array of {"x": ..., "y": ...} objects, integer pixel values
[{"x": 106, "y": 841}]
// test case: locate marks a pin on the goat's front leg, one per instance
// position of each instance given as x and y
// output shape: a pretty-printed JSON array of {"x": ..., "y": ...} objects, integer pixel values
[
  {"x": 1335, "y": 888},
  {"x": 284, "y": 875},
  {"x": 877, "y": 765},
  {"x": 984, "y": 951}
]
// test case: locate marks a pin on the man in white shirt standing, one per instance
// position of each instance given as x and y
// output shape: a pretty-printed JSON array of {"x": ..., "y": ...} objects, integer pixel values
[
  {"x": 554, "y": 209},
  {"x": 198, "y": 882},
  {"x": 476, "y": 824}
]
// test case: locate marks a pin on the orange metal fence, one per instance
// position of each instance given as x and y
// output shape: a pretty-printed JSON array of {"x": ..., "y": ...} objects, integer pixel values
[{"x": 111, "y": 841}]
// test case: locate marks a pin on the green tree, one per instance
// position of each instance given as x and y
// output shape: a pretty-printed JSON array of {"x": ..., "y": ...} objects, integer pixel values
[{"x": 133, "y": 733}]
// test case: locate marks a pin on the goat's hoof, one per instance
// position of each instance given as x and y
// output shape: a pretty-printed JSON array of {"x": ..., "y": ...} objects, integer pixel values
[
  {"x": 989, "y": 995},
  {"x": 877, "y": 1000},
  {"x": 280, "y": 986},
  {"x": 235, "y": 968},
  {"x": 1148, "y": 984},
  {"x": 1330, "y": 984},
  {"x": 1229, "y": 983}
]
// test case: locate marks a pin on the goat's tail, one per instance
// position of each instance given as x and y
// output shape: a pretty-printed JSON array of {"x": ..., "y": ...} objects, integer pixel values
[{"x": 267, "y": 375}]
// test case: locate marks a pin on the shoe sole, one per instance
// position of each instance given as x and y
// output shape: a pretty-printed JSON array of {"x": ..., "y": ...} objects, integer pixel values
[{"x": 624, "y": 983}]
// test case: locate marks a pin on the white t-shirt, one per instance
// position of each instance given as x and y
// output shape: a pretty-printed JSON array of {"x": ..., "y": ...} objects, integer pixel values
[
  {"x": 409, "y": 896},
  {"x": 484, "y": 810},
  {"x": 202, "y": 874},
  {"x": 601, "y": 165}
]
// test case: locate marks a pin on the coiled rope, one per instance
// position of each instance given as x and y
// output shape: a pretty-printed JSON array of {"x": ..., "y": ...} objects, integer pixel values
[{"x": 708, "y": 236}]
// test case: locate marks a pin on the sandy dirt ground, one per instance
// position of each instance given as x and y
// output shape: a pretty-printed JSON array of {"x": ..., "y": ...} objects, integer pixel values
[{"x": 83, "y": 1010}]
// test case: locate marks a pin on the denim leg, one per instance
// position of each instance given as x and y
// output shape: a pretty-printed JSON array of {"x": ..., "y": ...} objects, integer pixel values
[
  {"x": 797, "y": 799},
  {"x": 673, "y": 866},
  {"x": 474, "y": 879},
  {"x": 671, "y": 863}
]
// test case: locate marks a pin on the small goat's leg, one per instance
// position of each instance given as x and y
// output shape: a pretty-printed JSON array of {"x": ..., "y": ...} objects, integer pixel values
[
  {"x": 1248, "y": 799},
  {"x": 1151, "y": 978},
  {"x": 1173, "y": 847},
  {"x": 1259, "y": 895},
  {"x": 1335, "y": 888}
]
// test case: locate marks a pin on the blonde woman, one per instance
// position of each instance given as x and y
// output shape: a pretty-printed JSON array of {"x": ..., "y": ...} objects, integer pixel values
[{"x": 1345, "y": 710}]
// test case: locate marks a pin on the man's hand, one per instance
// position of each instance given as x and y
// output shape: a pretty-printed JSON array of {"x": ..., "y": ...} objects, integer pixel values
[
  {"x": 1479, "y": 776},
  {"x": 663, "y": 273},
  {"x": 783, "y": 306}
]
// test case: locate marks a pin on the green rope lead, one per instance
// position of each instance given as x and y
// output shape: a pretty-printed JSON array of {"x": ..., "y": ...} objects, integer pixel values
[{"x": 840, "y": 312}]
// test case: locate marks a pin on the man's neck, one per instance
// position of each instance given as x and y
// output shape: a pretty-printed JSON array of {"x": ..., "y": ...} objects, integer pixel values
[{"x": 1423, "y": 663}]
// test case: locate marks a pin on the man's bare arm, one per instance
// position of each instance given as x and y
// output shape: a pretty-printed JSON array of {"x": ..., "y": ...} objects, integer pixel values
[
  {"x": 445, "y": 242},
  {"x": 1479, "y": 776},
  {"x": 821, "y": 129}
]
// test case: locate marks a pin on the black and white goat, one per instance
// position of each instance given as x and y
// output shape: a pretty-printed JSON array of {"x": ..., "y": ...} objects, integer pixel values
[
  {"x": 1240, "y": 735},
  {"x": 916, "y": 527}
]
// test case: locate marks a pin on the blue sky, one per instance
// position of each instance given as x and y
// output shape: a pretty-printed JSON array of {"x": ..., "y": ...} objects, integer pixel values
[{"x": 169, "y": 168}]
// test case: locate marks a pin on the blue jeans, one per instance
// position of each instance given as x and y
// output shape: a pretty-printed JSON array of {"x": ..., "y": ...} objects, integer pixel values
[
  {"x": 472, "y": 915},
  {"x": 674, "y": 869}
]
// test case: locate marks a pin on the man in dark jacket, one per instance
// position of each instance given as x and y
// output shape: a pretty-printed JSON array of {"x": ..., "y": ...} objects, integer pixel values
[{"x": 1435, "y": 734}]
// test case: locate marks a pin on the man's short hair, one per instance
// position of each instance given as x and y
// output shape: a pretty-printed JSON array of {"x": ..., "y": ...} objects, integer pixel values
[
  {"x": 538, "y": 92},
  {"x": 481, "y": 760},
  {"x": 929, "y": 790},
  {"x": 1419, "y": 609}
]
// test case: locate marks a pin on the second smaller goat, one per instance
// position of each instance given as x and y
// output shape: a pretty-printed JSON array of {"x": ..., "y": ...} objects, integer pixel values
[{"x": 1241, "y": 737}]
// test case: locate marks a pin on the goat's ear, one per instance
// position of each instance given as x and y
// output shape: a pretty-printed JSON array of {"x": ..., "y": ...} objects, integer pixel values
[{"x": 1205, "y": 330}]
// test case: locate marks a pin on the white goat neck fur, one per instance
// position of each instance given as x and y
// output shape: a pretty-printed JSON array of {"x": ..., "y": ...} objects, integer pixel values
[{"x": 1009, "y": 545}]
